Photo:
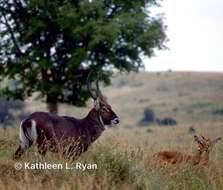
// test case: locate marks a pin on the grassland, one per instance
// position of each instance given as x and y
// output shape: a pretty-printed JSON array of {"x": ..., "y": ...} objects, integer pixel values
[{"x": 124, "y": 154}]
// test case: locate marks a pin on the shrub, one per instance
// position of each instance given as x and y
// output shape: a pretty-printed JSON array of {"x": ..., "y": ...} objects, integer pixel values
[
  {"x": 148, "y": 117},
  {"x": 168, "y": 121},
  {"x": 187, "y": 180},
  {"x": 218, "y": 112},
  {"x": 6, "y": 107},
  {"x": 111, "y": 163}
]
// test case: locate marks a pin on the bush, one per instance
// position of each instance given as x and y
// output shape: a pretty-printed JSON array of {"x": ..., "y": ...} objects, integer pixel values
[
  {"x": 187, "y": 180},
  {"x": 218, "y": 112},
  {"x": 168, "y": 121},
  {"x": 148, "y": 117},
  {"x": 6, "y": 107},
  {"x": 112, "y": 163}
]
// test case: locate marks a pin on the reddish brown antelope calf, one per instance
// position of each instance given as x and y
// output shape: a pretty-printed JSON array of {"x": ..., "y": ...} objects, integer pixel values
[
  {"x": 68, "y": 135},
  {"x": 201, "y": 156}
]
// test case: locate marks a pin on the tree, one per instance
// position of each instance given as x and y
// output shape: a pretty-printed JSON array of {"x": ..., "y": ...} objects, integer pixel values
[{"x": 50, "y": 46}]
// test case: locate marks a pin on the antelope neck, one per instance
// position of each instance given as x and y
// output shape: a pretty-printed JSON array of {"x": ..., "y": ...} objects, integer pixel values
[
  {"x": 100, "y": 119},
  {"x": 197, "y": 157},
  {"x": 95, "y": 119}
]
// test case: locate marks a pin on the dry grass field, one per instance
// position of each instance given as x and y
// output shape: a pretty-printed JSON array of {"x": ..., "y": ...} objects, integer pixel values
[{"x": 124, "y": 154}]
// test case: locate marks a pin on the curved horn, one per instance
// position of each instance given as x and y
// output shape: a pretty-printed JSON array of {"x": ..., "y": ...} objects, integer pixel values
[
  {"x": 89, "y": 87},
  {"x": 99, "y": 93}
]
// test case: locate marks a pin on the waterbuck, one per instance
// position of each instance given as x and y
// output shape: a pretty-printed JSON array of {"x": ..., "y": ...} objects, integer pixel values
[
  {"x": 201, "y": 156},
  {"x": 68, "y": 135}
]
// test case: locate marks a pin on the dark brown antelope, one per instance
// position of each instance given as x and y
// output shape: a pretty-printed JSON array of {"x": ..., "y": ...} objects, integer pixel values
[
  {"x": 68, "y": 135},
  {"x": 201, "y": 156}
]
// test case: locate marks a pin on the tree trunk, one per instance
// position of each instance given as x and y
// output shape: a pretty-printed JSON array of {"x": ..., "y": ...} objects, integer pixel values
[{"x": 52, "y": 105}]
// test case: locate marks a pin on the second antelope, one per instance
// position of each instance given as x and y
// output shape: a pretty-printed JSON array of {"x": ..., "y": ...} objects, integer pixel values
[
  {"x": 201, "y": 156},
  {"x": 70, "y": 135}
]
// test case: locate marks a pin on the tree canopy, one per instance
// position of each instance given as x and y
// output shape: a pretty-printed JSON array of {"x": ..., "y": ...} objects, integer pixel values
[{"x": 50, "y": 46}]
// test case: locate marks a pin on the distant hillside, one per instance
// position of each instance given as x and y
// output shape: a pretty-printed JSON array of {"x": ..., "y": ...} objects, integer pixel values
[{"x": 189, "y": 98}]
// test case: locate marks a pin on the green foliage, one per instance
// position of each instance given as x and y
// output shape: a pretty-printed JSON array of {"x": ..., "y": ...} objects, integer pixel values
[
  {"x": 112, "y": 163},
  {"x": 50, "y": 46},
  {"x": 188, "y": 180}
]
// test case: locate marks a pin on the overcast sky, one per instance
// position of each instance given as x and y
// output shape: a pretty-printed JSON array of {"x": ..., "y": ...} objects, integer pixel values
[{"x": 195, "y": 32}]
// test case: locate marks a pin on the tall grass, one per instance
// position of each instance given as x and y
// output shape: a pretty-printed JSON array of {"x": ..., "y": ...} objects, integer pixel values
[{"x": 124, "y": 160}]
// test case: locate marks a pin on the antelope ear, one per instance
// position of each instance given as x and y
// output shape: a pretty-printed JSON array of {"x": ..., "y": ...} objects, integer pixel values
[
  {"x": 216, "y": 140},
  {"x": 97, "y": 104},
  {"x": 197, "y": 140}
]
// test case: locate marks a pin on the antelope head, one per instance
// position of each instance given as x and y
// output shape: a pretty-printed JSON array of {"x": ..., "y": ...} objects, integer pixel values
[
  {"x": 205, "y": 146},
  {"x": 104, "y": 111}
]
